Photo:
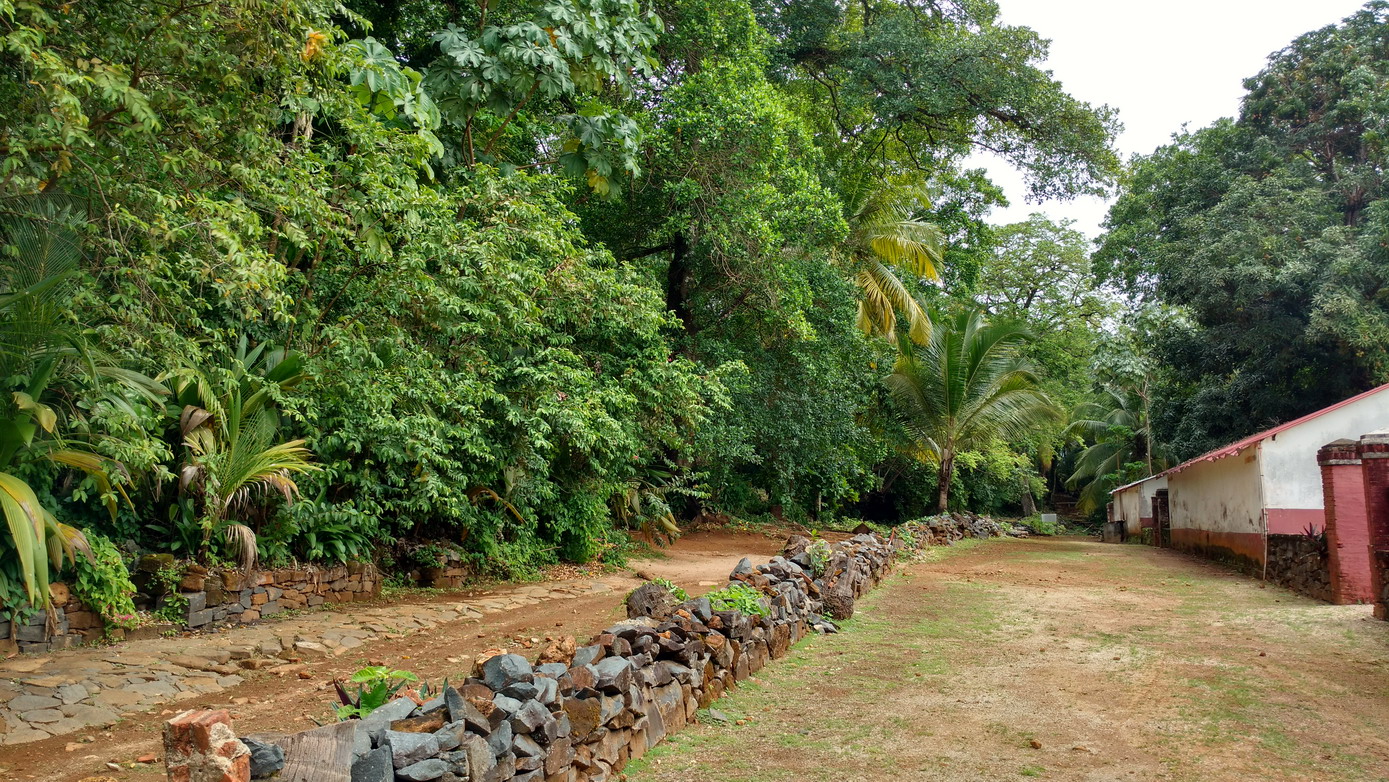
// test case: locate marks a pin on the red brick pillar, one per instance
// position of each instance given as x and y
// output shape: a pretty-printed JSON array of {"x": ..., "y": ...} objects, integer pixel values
[
  {"x": 1347, "y": 529},
  {"x": 1374, "y": 456},
  {"x": 199, "y": 746}
]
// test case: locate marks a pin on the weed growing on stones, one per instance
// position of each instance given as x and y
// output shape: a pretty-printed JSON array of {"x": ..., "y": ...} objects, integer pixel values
[{"x": 739, "y": 597}]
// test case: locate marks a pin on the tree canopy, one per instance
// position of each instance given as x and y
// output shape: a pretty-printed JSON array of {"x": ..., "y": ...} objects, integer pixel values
[
  {"x": 1266, "y": 234},
  {"x": 521, "y": 277}
]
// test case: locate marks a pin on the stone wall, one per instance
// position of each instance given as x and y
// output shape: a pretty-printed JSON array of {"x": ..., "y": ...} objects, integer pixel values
[
  {"x": 579, "y": 714},
  {"x": 208, "y": 599},
  {"x": 1300, "y": 563},
  {"x": 237, "y": 596},
  {"x": 72, "y": 623}
]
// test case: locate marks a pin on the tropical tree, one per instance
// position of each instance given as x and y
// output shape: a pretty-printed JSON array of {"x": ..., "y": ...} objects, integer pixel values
[
  {"x": 887, "y": 235},
  {"x": 1266, "y": 233},
  {"x": 966, "y": 387},
  {"x": 229, "y": 426},
  {"x": 1117, "y": 428},
  {"x": 41, "y": 348}
]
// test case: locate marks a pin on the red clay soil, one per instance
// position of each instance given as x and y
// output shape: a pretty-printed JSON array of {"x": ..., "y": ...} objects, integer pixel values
[{"x": 266, "y": 703}]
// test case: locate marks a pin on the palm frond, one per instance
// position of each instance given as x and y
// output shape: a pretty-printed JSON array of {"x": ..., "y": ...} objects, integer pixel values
[
  {"x": 96, "y": 467},
  {"x": 907, "y": 243},
  {"x": 884, "y": 295},
  {"x": 885, "y": 235},
  {"x": 25, "y": 519},
  {"x": 65, "y": 543},
  {"x": 243, "y": 542}
]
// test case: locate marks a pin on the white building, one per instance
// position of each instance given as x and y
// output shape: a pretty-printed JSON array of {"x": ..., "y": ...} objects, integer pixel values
[{"x": 1226, "y": 503}]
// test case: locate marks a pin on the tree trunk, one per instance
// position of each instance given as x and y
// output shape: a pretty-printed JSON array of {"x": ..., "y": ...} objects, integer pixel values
[
  {"x": 947, "y": 469},
  {"x": 678, "y": 284}
]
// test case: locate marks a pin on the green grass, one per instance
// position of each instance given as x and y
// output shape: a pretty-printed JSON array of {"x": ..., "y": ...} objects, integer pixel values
[
  {"x": 871, "y": 656},
  {"x": 830, "y": 700}
]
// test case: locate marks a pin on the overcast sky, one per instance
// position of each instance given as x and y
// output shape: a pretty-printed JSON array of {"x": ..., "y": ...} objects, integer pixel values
[{"x": 1161, "y": 64}]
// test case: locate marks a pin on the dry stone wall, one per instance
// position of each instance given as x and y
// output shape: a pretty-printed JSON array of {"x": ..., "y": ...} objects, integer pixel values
[
  {"x": 1300, "y": 563},
  {"x": 72, "y": 623},
  {"x": 205, "y": 599},
  {"x": 579, "y": 714},
  {"x": 237, "y": 596}
]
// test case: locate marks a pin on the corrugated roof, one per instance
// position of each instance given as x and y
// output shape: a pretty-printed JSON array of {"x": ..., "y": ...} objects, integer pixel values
[
  {"x": 1134, "y": 483},
  {"x": 1240, "y": 446}
]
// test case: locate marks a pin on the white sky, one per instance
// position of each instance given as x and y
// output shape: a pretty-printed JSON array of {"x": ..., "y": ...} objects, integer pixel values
[{"x": 1161, "y": 64}]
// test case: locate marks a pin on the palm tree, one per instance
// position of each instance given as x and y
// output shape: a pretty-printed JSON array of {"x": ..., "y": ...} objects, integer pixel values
[
  {"x": 41, "y": 348},
  {"x": 886, "y": 237},
  {"x": 966, "y": 386},
  {"x": 229, "y": 424},
  {"x": 1117, "y": 427}
]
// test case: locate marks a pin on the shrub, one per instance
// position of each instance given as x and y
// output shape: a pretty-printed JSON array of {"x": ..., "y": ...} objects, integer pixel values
[
  {"x": 1039, "y": 526},
  {"x": 680, "y": 594},
  {"x": 741, "y": 598},
  {"x": 103, "y": 583},
  {"x": 819, "y": 555},
  {"x": 376, "y": 685}
]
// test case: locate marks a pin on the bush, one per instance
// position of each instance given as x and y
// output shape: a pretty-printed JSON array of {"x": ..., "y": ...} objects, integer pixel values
[
  {"x": 1038, "y": 526},
  {"x": 741, "y": 598},
  {"x": 103, "y": 583}
]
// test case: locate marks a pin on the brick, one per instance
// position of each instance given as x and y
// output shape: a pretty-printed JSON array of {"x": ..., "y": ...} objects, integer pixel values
[
  {"x": 200, "y": 746},
  {"x": 1346, "y": 525}
]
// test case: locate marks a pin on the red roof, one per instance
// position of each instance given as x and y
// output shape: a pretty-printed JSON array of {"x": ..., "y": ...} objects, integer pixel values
[{"x": 1240, "y": 445}]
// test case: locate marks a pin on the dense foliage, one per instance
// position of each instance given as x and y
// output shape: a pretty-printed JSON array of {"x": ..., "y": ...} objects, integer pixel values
[
  {"x": 1266, "y": 237},
  {"x": 513, "y": 275}
]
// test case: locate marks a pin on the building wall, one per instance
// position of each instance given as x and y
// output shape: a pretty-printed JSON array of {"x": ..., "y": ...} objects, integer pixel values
[
  {"x": 1292, "y": 479},
  {"x": 1217, "y": 509},
  {"x": 1149, "y": 489},
  {"x": 1127, "y": 504},
  {"x": 1134, "y": 505}
]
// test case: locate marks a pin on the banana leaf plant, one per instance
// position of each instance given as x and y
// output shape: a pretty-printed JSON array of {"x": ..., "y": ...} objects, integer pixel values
[{"x": 43, "y": 351}]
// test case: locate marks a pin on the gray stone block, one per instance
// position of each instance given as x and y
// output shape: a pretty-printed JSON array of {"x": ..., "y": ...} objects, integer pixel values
[
  {"x": 266, "y": 759},
  {"x": 375, "y": 766},
  {"x": 200, "y": 618},
  {"x": 423, "y": 771},
  {"x": 529, "y": 717},
  {"x": 410, "y": 748},
  {"x": 500, "y": 740}
]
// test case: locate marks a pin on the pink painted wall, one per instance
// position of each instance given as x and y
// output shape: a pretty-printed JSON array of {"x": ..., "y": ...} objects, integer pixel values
[{"x": 1294, "y": 521}]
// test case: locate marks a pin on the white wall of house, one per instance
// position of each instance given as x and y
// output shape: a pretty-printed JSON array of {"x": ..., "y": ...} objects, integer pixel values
[
  {"x": 1222, "y": 496},
  {"x": 1127, "y": 505},
  {"x": 1292, "y": 479},
  {"x": 1150, "y": 489},
  {"x": 1135, "y": 503}
]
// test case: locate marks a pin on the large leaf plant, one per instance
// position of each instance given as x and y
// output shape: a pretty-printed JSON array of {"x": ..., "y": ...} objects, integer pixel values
[
  {"x": 44, "y": 355},
  {"x": 233, "y": 456}
]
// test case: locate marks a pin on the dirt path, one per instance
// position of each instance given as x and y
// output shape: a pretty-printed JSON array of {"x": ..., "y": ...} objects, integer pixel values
[
  {"x": 1061, "y": 659},
  {"x": 266, "y": 702}
]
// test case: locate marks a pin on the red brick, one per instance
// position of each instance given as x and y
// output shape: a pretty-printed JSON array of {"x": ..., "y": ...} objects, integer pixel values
[{"x": 1347, "y": 527}]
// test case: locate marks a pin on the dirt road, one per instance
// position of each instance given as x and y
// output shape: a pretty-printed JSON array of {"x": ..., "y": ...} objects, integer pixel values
[
  {"x": 1061, "y": 659},
  {"x": 265, "y": 702}
]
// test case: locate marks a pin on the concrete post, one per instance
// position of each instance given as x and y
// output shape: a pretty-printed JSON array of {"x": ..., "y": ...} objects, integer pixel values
[
  {"x": 1374, "y": 456},
  {"x": 1347, "y": 529}
]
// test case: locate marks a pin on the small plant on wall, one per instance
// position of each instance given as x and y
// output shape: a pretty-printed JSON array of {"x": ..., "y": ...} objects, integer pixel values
[
  {"x": 376, "y": 685},
  {"x": 739, "y": 597}
]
